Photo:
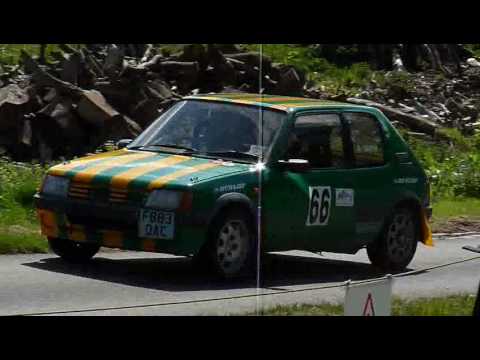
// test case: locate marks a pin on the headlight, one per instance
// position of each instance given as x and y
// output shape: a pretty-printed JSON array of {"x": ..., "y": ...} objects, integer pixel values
[
  {"x": 164, "y": 199},
  {"x": 55, "y": 185}
]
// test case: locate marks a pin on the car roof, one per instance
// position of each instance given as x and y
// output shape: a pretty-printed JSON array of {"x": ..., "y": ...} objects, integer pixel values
[{"x": 284, "y": 103}]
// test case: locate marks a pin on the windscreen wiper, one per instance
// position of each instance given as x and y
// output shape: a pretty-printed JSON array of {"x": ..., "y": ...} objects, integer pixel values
[
  {"x": 233, "y": 154},
  {"x": 173, "y": 146}
]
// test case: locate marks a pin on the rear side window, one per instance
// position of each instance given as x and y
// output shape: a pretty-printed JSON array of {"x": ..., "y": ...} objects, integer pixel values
[
  {"x": 319, "y": 139},
  {"x": 367, "y": 139}
]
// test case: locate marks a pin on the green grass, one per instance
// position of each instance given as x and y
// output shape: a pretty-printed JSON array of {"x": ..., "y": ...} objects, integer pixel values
[
  {"x": 456, "y": 215},
  {"x": 10, "y": 53},
  {"x": 18, "y": 222},
  {"x": 455, "y": 305},
  {"x": 15, "y": 240},
  {"x": 450, "y": 208}
]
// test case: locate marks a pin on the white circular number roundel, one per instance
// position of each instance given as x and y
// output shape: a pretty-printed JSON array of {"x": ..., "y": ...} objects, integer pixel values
[{"x": 319, "y": 205}]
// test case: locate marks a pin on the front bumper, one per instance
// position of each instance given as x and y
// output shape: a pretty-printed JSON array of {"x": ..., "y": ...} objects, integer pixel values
[{"x": 115, "y": 226}]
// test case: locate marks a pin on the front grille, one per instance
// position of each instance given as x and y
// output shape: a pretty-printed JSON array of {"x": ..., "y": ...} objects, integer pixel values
[
  {"x": 102, "y": 195},
  {"x": 118, "y": 195},
  {"x": 80, "y": 191}
]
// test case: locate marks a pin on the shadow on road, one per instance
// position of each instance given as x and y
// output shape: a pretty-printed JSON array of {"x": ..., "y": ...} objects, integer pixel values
[{"x": 179, "y": 274}]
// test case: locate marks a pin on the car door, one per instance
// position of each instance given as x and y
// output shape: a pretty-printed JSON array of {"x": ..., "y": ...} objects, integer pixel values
[
  {"x": 316, "y": 204},
  {"x": 371, "y": 174}
]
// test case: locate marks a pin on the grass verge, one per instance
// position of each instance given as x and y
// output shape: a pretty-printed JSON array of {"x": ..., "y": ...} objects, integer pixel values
[
  {"x": 13, "y": 242},
  {"x": 456, "y": 215},
  {"x": 455, "y": 305},
  {"x": 19, "y": 230}
]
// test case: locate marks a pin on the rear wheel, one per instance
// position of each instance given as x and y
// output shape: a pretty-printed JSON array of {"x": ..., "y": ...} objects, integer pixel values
[
  {"x": 71, "y": 251},
  {"x": 230, "y": 251},
  {"x": 396, "y": 246}
]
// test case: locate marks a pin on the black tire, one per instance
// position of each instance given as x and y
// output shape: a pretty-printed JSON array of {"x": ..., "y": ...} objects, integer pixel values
[
  {"x": 71, "y": 251},
  {"x": 397, "y": 244},
  {"x": 231, "y": 237}
]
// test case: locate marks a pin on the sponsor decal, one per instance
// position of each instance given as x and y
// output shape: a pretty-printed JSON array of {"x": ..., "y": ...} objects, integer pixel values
[
  {"x": 229, "y": 188},
  {"x": 344, "y": 197},
  {"x": 405, "y": 181}
]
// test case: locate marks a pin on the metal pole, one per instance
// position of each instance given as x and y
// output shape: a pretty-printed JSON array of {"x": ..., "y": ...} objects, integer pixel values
[{"x": 259, "y": 170}]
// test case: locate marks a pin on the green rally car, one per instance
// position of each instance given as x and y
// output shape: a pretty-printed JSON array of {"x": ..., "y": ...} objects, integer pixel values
[{"x": 215, "y": 173}]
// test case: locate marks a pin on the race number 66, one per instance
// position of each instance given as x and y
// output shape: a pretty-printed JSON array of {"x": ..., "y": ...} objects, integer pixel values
[{"x": 319, "y": 205}]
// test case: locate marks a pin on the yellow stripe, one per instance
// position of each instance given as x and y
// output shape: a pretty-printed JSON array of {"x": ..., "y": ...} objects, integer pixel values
[
  {"x": 61, "y": 169},
  {"x": 249, "y": 102},
  {"x": 88, "y": 174},
  {"x": 163, "y": 180},
  {"x": 245, "y": 101},
  {"x": 112, "y": 239},
  {"x": 122, "y": 180},
  {"x": 267, "y": 100},
  {"x": 320, "y": 104}
]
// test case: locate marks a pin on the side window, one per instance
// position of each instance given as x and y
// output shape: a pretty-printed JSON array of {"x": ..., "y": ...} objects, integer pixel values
[
  {"x": 318, "y": 139},
  {"x": 366, "y": 138}
]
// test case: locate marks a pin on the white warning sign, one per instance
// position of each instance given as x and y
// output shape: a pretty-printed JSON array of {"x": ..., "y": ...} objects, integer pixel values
[{"x": 369, "y": 299}]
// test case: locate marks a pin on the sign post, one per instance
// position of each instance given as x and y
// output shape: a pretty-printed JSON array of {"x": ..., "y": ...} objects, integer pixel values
[{"x": 369, "y": 299}]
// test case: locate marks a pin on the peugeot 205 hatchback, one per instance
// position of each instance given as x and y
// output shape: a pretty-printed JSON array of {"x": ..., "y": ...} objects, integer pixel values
[{"x": 329, "y": 177}]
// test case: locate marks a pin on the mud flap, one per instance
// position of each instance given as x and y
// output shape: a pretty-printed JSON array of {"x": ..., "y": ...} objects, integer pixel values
[{"x": 426, "y": 230}]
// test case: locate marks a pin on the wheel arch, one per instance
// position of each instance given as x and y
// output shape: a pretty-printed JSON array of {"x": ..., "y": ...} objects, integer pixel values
[{"x": 229, "y": 201}]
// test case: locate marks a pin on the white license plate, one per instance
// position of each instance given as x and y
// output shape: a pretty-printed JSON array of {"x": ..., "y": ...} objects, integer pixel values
[{"x": 156, "y": 224}]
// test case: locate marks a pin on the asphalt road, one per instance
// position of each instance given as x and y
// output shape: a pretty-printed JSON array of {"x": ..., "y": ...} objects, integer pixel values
[{"x": 44, "y": 284}]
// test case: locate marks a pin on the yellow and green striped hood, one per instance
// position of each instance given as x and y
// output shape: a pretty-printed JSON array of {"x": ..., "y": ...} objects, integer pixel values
[{"x": 142, "y": 170}]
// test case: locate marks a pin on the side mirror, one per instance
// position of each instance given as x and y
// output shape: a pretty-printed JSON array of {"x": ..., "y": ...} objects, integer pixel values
[
  {"x": 124, "y": 142},
  {"x": 294, "y": 165}
]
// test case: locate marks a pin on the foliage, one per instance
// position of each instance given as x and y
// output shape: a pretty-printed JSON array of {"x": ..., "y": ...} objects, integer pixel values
[
  {"x": 18, "y": 224},
  {"x": 10, "y": 53},
  {"x": 319, "y": 72},
  {"x": 399, "y": 84},
  {"x": 454, "y": 169},
  {"x": 474, "y": 48}
]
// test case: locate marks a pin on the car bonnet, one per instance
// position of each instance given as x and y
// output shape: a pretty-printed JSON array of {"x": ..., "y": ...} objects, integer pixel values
[{"x": 142, "y": 170}]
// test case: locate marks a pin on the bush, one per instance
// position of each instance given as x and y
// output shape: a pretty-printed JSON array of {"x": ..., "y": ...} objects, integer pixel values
[
  {"x": 334, "y": 79},
  {"x": 18, "y": 184},
  {"x": 453, "y": 169}
]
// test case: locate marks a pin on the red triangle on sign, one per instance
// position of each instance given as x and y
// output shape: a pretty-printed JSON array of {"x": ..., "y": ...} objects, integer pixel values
[{"x": 369, "y": 310}]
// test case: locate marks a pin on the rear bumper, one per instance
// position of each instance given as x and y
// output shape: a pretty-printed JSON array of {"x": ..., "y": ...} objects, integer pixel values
[{"x": 115, "y": 226}]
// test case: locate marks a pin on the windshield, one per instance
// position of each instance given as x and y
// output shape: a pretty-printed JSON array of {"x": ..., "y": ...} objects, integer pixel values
[{"x": 215, "y": 129}]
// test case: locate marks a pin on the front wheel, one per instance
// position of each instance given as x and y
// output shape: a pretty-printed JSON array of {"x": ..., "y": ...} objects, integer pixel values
[
  {"x": 231, "y": 250},
  {"x": 73, "y": 252},
  {"x": 396, "y": 246}
]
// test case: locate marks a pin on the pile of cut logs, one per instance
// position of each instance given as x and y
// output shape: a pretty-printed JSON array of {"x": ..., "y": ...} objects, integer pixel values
[
  {"x": 86, "y": 96},
  {"x": 83, "y": 97}
]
